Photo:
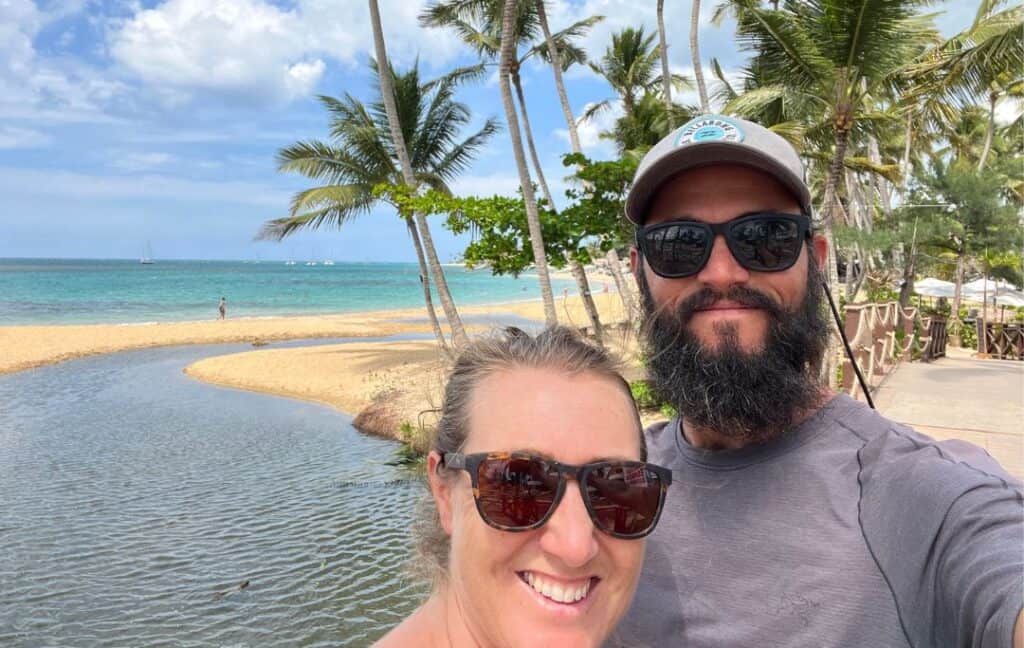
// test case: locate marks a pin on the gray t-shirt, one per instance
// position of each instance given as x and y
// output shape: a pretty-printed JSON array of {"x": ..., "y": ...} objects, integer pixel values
[{"x": 850, "y": 530}]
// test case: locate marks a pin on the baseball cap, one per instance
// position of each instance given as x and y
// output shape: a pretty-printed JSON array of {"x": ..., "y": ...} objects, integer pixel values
[{"x": 713, "y": 139}]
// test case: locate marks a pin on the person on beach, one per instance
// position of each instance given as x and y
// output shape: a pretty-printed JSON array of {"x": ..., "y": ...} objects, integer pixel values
[
  {"x": 223, "y": 307},
  {"x": 540, "y": 498},
  {"x": 799, "y": 517}
]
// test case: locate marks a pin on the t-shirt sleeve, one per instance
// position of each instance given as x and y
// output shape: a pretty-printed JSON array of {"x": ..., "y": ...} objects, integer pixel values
[{"x": 945, "y": 525}]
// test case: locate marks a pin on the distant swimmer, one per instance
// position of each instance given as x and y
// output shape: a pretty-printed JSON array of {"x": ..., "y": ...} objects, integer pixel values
[{"x": 223, "y": 307}]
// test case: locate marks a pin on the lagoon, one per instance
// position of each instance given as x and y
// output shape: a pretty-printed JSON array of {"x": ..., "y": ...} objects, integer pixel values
[{"x": 136, "y": 502}]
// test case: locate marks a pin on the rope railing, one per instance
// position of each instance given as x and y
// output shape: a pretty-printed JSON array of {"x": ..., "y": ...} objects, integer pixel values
[{"x": 873, "y": 333}]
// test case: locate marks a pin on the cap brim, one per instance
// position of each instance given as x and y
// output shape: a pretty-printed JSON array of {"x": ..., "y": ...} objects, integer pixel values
[{"x": 692, "y": 157}]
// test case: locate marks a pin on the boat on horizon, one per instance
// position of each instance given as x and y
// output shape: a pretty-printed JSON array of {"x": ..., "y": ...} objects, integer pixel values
[{"x": 147, "y": 256}]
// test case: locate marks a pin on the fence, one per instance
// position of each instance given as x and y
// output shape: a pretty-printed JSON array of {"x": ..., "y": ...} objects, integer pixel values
[
  {"x": 1005, "y": 341},
  {"x": 872, "y": 332}
]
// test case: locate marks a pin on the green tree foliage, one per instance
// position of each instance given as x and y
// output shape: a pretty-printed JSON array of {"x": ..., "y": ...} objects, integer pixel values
[{"x": 593, "y": 219}]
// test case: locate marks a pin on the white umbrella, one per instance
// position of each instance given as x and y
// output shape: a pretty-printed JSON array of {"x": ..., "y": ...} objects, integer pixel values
[
  {"x": 930, "y": 287},
  {"x": 1013, "y": 298}
]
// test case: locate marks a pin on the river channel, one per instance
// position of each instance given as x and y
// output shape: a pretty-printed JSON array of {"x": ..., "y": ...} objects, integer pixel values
[{"x": 139, "y": 507}]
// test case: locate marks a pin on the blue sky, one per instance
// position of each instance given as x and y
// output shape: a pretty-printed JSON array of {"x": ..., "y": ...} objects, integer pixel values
[{"x": 123, "y": 122}]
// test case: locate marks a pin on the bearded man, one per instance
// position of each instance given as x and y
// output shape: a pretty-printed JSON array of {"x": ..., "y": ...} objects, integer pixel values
[{"x": 797, "y": 517}]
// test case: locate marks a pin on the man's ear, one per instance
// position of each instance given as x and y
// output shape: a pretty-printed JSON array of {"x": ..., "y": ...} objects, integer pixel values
[
  {"x": 634, "y": 260},
  {"x": 441, "y": 490},
  {"x": 820, "y": 246}
]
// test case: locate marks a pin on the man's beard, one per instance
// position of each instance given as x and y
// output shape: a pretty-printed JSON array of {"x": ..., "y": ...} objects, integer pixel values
[{"x": 747, "y": 395}]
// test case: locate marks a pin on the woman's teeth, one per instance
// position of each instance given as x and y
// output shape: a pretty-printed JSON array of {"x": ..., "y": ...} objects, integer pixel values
[{"x": 556, "y": 591}]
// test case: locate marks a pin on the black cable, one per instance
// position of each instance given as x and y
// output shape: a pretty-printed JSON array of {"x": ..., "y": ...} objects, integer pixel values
[{"x": 846, "y": 345}]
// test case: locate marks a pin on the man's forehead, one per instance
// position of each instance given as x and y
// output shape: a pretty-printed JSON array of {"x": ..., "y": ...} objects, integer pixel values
[{"x": 731, "y": 187}]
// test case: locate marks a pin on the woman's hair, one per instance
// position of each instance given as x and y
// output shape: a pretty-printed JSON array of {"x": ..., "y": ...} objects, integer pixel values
[{"x": 555, "y": 347}]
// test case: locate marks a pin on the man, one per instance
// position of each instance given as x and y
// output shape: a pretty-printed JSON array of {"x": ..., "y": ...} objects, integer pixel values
[
  {"x": 223, "y": 307},
  {"x": 797, "y": 517}
]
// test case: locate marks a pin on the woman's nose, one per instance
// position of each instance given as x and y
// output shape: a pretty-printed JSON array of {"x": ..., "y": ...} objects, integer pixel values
[{"x": 569, "y": 534}]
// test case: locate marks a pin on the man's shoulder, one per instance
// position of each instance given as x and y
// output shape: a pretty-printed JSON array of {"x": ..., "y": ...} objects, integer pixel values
[
  {"x": 660, "y": 439},
  {"x": 894, "y": 458}
]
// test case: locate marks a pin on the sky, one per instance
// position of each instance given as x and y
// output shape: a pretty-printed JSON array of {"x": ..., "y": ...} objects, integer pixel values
[{"x": 127, "y": 124}]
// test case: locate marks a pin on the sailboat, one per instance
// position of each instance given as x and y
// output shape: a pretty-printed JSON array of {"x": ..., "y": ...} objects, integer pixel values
[{"x": 147, "y": 256}]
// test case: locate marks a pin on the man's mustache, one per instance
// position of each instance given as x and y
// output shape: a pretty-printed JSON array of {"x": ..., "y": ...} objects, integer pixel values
[{"x": 742, "y": 295}]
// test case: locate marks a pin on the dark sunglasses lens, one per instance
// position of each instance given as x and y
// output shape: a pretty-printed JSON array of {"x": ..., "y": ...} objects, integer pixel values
[
  {"x": 765, "y": 244},
  {"x": 516, "y": 492},
  {"x": 625, "y": 498},
  {"x": 677, "y": 250}
]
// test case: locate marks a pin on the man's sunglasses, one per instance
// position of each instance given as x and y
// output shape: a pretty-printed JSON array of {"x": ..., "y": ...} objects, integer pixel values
[
  {"x": 519, "y": 492},
  {"x": 763, "y": 242}
]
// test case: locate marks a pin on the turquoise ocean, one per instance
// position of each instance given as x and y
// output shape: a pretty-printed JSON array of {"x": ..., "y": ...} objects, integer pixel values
[{"x": 84, "y": 291}]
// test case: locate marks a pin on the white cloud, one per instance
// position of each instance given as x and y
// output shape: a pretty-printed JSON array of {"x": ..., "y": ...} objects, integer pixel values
[
  {"x": 254, "y": 51},
  {"x": 494, "y": 184},
  {"x": 39, "y": 90},
  {"x": 12, "y": 137},
  {"x": 590, "y": 130},
  {"x": 141, "y": 161},
  {"x": 16, "y": 182}
]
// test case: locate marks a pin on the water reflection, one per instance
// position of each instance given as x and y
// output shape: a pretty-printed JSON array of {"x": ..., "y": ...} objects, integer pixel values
[{"x": 136, "y": 501}]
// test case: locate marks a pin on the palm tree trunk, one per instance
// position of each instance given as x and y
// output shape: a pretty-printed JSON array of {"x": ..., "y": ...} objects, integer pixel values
[
  {"x": 992, "y": 97},
  {"x": 580, "y": 275},
  {"x": 425, "y": 284},
  {"x": 666, "y": 77},
  {"x": 459, "y": 337},
  {"x": 541, "y": 180},
  {"x": 698, "y": 72},
  {"x": 958, "y": 289},
  {"x": 905, "y": 162},
  {"x": 532, "y": 216},
  {"x": 556, "y": 67},
  {"x": 832, "y": 268},
  {"x": 622, "y": 284}
]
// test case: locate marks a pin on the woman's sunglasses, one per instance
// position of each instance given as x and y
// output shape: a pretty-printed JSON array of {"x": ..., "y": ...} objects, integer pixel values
[
  {"x": 519, "y": 492},
  {"x": 763, "y": 242}
]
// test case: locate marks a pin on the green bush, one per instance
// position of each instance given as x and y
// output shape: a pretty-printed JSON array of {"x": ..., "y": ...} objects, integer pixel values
[{"x": 644, "y": 395}]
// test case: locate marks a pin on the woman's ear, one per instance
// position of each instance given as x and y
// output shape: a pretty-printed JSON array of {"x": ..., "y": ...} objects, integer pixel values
[{"x": 441, "y": 490}]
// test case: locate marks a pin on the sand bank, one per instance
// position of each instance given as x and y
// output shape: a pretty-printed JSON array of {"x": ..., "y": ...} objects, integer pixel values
[
  {"x": 24, "y": 347},
  {"x": 383, "y": 384}
]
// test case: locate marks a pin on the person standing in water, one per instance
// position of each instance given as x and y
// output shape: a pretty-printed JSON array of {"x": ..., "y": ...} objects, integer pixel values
[{"x": 223, "y": 307}]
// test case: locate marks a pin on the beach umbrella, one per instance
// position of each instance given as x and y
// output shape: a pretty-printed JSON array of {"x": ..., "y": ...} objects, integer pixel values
[
  {"x": 1013, "y": 298},
  {"x": 931, "y": 287}
]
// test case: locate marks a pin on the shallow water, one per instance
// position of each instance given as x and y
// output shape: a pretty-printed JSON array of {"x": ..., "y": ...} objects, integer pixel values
[{"x": 134, "y": 502}]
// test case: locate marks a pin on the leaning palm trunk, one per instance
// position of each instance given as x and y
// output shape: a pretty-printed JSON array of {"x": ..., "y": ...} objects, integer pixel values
[
  {"x": 828, "y": 209},
  {"x": 388, "y": 92},
  {"x": 580, "y": 275},
  {"x": 666, "y": 77},
  {"x": 622, "y": 284},
  {"x": 992, "y": 97},
  {"x": 556, "y": 68},
  {"x": 528, "y": 132},
  {"x": 425, "y": 284},
  {"x": 698, "y": 72},
  {"x": 532, "y": 216}
]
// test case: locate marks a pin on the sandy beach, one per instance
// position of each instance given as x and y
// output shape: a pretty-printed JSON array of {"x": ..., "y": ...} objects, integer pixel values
[{"x": 382, "y": 384}]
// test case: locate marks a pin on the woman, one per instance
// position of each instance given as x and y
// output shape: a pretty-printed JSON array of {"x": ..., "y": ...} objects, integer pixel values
[{"x": 539, "y": 498}]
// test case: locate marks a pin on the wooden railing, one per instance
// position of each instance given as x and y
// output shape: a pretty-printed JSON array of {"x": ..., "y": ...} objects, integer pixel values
[
  {"x": 1004, "y": 341},
  {"x": 871, "y": 330}
]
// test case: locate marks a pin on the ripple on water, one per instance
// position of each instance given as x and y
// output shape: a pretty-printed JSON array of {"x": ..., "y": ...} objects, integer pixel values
[{"x": 138, "y": 501}]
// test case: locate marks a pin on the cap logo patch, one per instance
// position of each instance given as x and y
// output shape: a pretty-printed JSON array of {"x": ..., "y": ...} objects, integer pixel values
[{"x": 709, "y": 129}]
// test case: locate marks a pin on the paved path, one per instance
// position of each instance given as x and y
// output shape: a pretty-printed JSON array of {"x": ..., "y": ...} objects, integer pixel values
[{"x": 981, "y": 401}]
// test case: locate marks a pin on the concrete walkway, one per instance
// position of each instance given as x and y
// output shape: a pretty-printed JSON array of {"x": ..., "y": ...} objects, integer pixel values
[{"x": 961, "y": 397}]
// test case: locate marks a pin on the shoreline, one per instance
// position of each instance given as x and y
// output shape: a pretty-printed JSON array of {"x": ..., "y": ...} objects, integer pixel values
[{"x": 383, "y": 385}]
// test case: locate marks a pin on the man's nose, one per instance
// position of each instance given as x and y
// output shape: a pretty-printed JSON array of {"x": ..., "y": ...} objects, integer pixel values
[
  {"x": 722, "y": 271},
  {"x": 570, "y": 535}
]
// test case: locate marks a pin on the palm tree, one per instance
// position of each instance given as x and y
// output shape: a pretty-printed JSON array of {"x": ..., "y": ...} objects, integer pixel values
[
  {"x": 361, "y": 154},
  {"x": 508, "y": 46},
  {"x": 698, "y": 70},
  {"x": 478, "y": 23},
  {"x": 985, "y": 60},
  {"x": 666, "y": 79},
  {"x": 629, "y": 66}
]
